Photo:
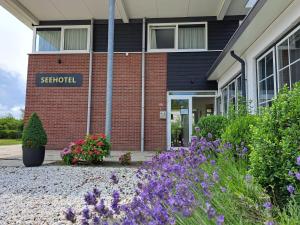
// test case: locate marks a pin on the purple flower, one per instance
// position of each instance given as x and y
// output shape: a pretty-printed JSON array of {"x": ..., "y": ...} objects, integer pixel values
[
  {"x": 197, "y": 129},
  {"x": 215, "y": 176},
  {"x": 96, "y": 220},
  {"x": 97, "y": 192},
  {"x": 86, "y": 213},
  {"x": 213, "y": 162},
  {"x": 114, "y": 179},
  {"x": 115, "y": 202},
  {"x": 211, "y": 212},
  {"x": 223, "y": 189},
  {"x": 248, "y": 178},
  {"x": 298, "y": 161},
  {"x": 291, "y": 189},
  {"x": 220, "y": 220},
  {"x": 297, "y": 175},
  {"x": 291, "y": 173},
  {"x": 101, "y": 209},
  {"x": 269, "y": 223},
  {"x": 70, "y": 215},
  {"x": 267, "y": 205},
  {"x": 209, "y": 135},
  {"x": 84, "y": 221},
  {"x": 90, "y": 198}
]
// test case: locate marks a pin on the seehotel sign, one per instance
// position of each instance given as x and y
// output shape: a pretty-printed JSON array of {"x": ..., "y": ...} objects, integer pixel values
[{"x": 58, "y": 80}]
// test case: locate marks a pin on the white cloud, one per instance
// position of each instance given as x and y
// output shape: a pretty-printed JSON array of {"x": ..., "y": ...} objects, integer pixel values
[
  {"x": 15, "y": 44},
  {"x": 15, "y": 111}
]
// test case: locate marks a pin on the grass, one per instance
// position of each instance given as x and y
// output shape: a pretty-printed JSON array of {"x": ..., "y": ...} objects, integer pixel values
[{"x": 10, "y": 142}]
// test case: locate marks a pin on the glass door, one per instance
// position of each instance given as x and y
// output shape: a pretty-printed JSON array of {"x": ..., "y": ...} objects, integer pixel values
[{"x": 180, "y": 122}]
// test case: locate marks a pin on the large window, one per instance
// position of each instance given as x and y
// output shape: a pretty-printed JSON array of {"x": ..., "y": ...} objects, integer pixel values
[
  {"x": 288, "y": 59},
  {"x": 65, "y": 38},
  {"x": 266, "y": 78},
  {"x": 177, "y": 37},
  {"x": 231, "y": 93}
]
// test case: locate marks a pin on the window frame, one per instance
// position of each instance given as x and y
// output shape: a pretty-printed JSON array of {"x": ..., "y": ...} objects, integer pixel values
[
  {"x": 278, "y": 70},
  {"x": 176, "y": 27},
  {"x": 275, "y": 77},
  {"x": 63, "y": 28},
  {"x": 236, "y": 105}
]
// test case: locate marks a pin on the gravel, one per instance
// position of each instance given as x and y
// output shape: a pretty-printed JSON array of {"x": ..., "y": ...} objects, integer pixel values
[{"x": 38, "y": 196}]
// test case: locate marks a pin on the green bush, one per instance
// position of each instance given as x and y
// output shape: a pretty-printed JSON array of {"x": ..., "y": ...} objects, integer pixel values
[
  {"x": 214, "y": 125},
  {"x": 34, "y": 134},
  {"x": 10, "y": 128},
  {"x": 275, "y": 145},
  {"x": 238, "y": 132},
  {"x": 10, "y": 134}
]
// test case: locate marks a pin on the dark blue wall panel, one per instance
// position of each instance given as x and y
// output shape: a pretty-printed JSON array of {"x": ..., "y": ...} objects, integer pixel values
[
  {"x": 187, "y": 71},
  {"x": 128, "y": 37},
  {"x": 220, "y": 32}
]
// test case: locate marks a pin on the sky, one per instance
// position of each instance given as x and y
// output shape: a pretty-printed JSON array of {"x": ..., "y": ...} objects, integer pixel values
[{"x": 15, "y": 44}]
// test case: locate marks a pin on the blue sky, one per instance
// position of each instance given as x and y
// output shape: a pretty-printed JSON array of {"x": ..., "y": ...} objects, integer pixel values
[{"x": 15, "y": 44}]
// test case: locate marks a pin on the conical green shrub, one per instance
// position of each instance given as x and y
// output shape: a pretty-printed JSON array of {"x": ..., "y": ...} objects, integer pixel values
[{"x": 34, "y": 134}]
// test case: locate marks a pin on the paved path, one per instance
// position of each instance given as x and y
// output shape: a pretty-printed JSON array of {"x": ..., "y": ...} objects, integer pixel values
[{"x": 12, "y": 156}]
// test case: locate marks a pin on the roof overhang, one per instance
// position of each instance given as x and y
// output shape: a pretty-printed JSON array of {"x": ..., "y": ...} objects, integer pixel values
[
  {"x": 254, "y": 25},
  {"x": 32, "y": 11}
]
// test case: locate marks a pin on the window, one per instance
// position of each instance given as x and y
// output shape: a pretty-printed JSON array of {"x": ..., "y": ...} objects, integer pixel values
[
  {"x": 266, "y": 79},
  {"x": 177, "y": 37},
  {"x": 65, "y": 38},
  {"x": 288, "y": 59},
  {"x": 231, "y": 94}
]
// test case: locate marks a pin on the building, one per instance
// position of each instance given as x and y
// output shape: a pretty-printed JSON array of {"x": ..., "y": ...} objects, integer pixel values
[{"x": 174, "y": 61}]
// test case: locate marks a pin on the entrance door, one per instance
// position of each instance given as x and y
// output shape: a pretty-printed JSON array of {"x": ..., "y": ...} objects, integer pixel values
[
  {"x": 180, "y": 124},
  {"x": 184, "y": 112}
]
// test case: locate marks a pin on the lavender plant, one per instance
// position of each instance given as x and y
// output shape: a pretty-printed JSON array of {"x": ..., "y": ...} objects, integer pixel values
[{"x": 177, "y": 187}]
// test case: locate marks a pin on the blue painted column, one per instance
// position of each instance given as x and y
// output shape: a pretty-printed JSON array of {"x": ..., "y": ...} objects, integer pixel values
[{"x": 110, "y": 64}]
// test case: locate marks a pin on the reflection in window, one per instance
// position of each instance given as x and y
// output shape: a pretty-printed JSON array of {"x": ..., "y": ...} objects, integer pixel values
[
  {"x": 48, "y": 39},
  {"x": 266, "y": 79},
  {"x": 288, "y": 68},
  {"x": 163, "y": 38}
]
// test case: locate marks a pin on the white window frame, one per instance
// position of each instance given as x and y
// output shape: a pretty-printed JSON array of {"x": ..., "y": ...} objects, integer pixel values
[
  {"x": 275, "y": 77},
  {"x": 175, "y": 27},
  {"x": 289, "y": 64},
  {"x": 228, "y": 98},
  {"x": 88, "y": 27}
]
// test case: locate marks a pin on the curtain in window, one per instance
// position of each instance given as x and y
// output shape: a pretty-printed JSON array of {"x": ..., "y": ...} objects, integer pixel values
[
  {"x": 191, "y": 37},
  {"x": 153, "y": 39},
  {"x": 75, "y": 39},
  {"x": 48, "y": 40}
]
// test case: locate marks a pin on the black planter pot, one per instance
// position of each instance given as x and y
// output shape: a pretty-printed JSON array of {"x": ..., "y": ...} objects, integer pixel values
[{"x": 33, "y": 156}]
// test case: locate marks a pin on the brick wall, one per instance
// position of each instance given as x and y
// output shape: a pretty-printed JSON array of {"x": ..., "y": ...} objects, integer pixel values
[
  {"x": 64, "y": 110},
  {"x": 155, "y": 101}
]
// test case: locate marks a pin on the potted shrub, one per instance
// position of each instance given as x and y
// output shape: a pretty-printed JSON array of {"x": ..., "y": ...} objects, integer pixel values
[{"x": 33, "y": 142}]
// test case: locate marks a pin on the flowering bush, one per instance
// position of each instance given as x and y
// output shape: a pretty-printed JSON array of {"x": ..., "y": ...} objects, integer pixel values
[
  {"x": 188, "y": 186},
  {"x": 125, "y": 159},
  {"x": 276, "y": 146},
  {"x": 91, "y": 149},
  {"x": 214, "y": 124}
]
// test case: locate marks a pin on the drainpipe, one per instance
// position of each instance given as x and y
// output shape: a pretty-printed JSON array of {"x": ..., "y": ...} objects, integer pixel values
[
  {"x": 243, "y": 71},
  {"x": 88, "y": 127},
  {"x": 110, "y": 64},
  {"x": 143, "y": 88}
]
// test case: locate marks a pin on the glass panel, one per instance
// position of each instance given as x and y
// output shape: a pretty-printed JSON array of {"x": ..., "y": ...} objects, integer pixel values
[
  {"x": 283, "y": 54},
  {"x": 262, "y": 91},
  {"x": 269, "y": 64},
  {"x": 225, "y": 101},
  {"x": 295, "y": 72},
  {"x": 262, "y": 69},
  {"x": 179, "y": 123},
  {"x": 232, "y": 94},
  {"x": 270, "y": 88},
  {"x": 191, "y": 37},
  {"x": 48, "y": 39},
  {"x": 295, "y": 46},
  {"x": 163, "y": 38},
  {"x": 75, "y": 39},
  {"x": 219, "y": 105},
  {"x": 284, "y": 77}
]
